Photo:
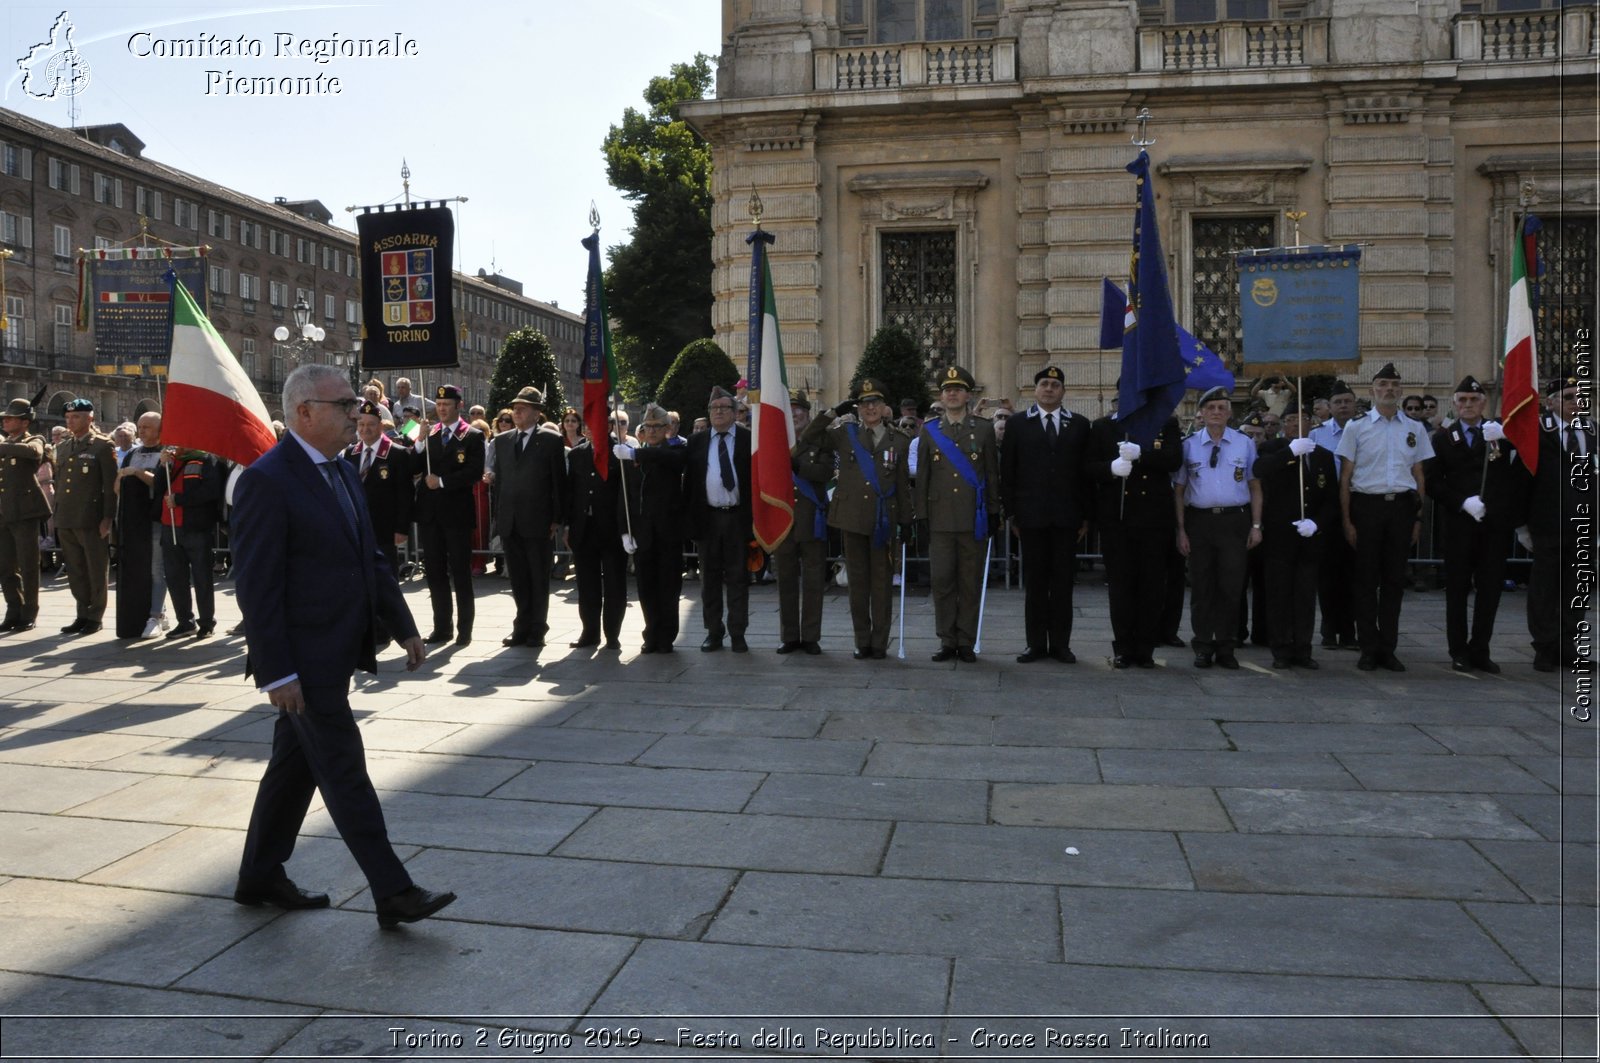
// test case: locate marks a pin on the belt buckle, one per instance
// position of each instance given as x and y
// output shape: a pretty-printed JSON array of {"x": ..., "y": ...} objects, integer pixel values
[
  {"x": 1216, "y": 509},
  {"x": 1391, "y": 496}
]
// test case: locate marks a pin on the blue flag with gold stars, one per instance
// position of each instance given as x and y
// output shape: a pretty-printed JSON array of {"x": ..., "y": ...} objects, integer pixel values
[{"x": 1153, "y": 378}]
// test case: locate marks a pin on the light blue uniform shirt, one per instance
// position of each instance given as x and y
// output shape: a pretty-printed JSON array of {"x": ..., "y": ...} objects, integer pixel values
[
  {"x": 1327, "y": 436},
  {"x": 1384, "y": 450},
  {"x": 1226, "y": 485}
]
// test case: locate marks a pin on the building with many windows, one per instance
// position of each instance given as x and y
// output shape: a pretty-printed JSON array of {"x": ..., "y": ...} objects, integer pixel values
[
  {"x": 62, "y": 190},
  {"x": 958, "y": 167}
]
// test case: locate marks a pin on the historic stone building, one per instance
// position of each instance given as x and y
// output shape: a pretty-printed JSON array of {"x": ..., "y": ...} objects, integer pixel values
[
  {"x": 62, "y": 190},
  {"x": 958, "y": 166}
]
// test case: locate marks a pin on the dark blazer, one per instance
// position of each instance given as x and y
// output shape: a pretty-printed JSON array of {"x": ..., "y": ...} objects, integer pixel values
[
  {"x": 531, "y": 487},
  {"x": 591, "y": 501},
  {"x": 655, "y": 494},
  {"x": 1147, "y": 500},
  {"x": 1557, "y": 496},
  {"x": 694, "y": 480},
  {"x": 310, "y": 588},
  {"x": 458, "y": 462},
  {"x": 1456, "y": 472},
  {"x": 196, "y": 489},
  {"x": 388, "y": 487},
  {"x": 1279, "y": 473},
  {"x": 1045, "y": 485}
]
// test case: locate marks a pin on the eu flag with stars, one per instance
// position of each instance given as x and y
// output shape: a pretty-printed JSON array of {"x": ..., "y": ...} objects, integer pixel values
[{"x": 1153, "y": 378}]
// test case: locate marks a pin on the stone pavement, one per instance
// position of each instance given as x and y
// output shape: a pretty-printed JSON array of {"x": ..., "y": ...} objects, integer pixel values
[{"x": 727, "y": 856}]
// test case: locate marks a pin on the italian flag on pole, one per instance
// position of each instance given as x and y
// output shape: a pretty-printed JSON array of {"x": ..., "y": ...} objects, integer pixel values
[
  {"x": 211, "y": 404},
  {"x": 1519, "y": 403},
  {"x": 771, "y": 427}
]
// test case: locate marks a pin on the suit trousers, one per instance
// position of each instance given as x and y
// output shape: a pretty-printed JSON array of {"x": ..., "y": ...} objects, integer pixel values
[
  {"x": 602, "y": 566},
  {"x": 1049, "y": 566},
  {"x": 319, "y": 749},
  {"x": 1474, "y": 560},
  {"x": 1334, "y": 589},
  {"x": 956, "y": 563},
  {"x": 19, "y": 567},
  {"x": 1553, "y": 620},
  {"x": 1172, "y": 596},
  {"x": 1218, "y": 555},
  {"x": 528, "y": 566},
  {"x": 1291, "y": 566},
  {"x": 723, "y": 573},
  {"x": 447, "y": 564},
  {"x": 88, "y": 559},
  {"x": 1383, "y": 545},
  {"x": 870, "y": 574},
  {"x": 658, "y": 568},
  {"x": 1137, "y": 585},
  {"x": 802, "y": 570},
  {"x": 188, "y": 563}
]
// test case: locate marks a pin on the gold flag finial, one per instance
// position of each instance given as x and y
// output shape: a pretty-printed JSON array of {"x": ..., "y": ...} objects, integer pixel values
[{"x": 756, "y": 209}]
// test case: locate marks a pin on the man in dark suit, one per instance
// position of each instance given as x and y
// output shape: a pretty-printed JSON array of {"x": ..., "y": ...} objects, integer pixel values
[
  {"x": 716, "y": 488},
  {"x": 596, "y": 541},
  {"x": 385, "y": 472},
  {"x": 312, "y": 585},
  {"x": 1562, "y": 494},
  {"x": 450, "y": 460},
  {"x": 1299, "y": 516},
  {"x": 1047, "y": 496},
  {"x": 530, "y": 476},
  {"x": 654, "y": 483}
]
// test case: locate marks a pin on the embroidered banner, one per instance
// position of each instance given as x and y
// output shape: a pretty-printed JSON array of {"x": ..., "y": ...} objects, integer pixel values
[
  {"x": 1301, "y": 309},
  {"x": 406, "y": 270},
  {"x": 124, "y": 296}
]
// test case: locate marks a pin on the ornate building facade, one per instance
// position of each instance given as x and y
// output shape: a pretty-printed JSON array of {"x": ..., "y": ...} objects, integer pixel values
[
  {"x": 62, "y": 190},
  {"x": 957, "y": 166}
]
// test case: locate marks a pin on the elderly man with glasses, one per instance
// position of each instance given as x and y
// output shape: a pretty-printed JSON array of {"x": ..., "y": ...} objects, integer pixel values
[{"x": 653, "y": 482}]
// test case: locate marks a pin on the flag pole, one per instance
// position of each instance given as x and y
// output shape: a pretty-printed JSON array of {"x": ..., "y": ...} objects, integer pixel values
[
  {"x": 1299, "y": 397},
  {"x": 1141, "y": 140}
]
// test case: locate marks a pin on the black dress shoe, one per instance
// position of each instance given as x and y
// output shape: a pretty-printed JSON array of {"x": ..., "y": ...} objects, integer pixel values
[
  {"x": 1202, "y": 660},
  {"x": 789, "y": 647},
  {"x": 1367, "y": 663},
  {"x": 1483, "y": 664},
  {"x": 25, "y": 625},
  {"x": 1121, "y": 661},
  {"x": 1329, "y": 642},
  {"x": 1175, "y": 643},
  {"x": 1065, "y": 656},
  {"x": 663, "y": 647},
  {"x": 10, "y": 622},
  {"x": 1228, "y": 661},
  {"x": 205, "y": 631},
  {"x": 179, "y": 630},
  {"x": 711, "y": 644},
  {"x": 1282, "y": 663},
  {"x": 463, "y": 638},
  {"x": 862, "y": 654},
  {"x": 437, "y": 635},
  {"x": 410, "y": 905},
  {"x": 614, "y": 645},
  {"x": 585, "y": 640},
  {"x": 1029, "y": 655},
  {"x": 878, "y": 655},
  {"x": 966, "y": 656},
  {"x": 90, "y": 627},
  {"x": 812, "y": 649},
  {"x": 514, "y": 640},
  {"x": 1544, "y": 664},
  {"x": 1146, "y": 662},
  {"x": 74, "y": 627},
  {"x": 648, "y": 647},
  {"x": 280, "y": 894},
  {"x": 1460, "y": 664},
  {"x": 738, "y": 645},
  {"x": 946, "y": 653},
  {"x": 1391, "y": 662},
  {"x": 1308, "y": 662}
]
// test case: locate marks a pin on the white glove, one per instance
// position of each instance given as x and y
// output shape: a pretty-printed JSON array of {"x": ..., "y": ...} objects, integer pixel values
[
  {"x": 1128, "y": 452},
  {"x": 1493, "y": 432},
  {"x": 1306, "y": 528},
  {"x": 1122, "y": 467},
  {"x": 1474, "y": 508},
  {"x": 623, "y": 451},
  {"x": 1301, "y": 447},
  {"x": 1525, "y": 538}
]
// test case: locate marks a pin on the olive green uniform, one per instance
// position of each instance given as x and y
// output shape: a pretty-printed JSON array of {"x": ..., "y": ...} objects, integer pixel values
[
  {"x": 854, "y": 511},
  {"x": 801, "y": 560},
  {"x": 949, "y": 504},
  {"x": 86, "y": 476},
  {"x": 22, "y": 507}
]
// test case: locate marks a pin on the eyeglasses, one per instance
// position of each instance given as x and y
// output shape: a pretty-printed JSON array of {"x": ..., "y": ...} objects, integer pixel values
[
  {"x": 648, "y": 424},
  {"x": 720, "y": 406},
  {"x": 504, "y": 420},
  {"x": 344, "y": 404}
]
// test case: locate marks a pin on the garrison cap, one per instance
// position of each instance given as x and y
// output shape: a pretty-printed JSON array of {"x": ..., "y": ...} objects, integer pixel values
[
  {"x": 1340, "y": 388},
  {"x": 719, "y": 393},
  {"x": 1213, "y": 394}
]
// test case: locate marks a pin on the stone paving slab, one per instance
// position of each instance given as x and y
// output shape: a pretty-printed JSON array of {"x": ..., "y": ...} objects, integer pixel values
[
  {"x": 28, "y": 788},
  {"x": 910, "y": 727},
  {"x": 1570, "y": 1034},
  {"x": 1330, "y": 738},
  {"x": 991, "y": 763},
  {"x": 481, "y": 823},
  {"x": 1321, "y": 864},
  {"x": 1108, "y": 733},
  {"x": 68, "y": 847},
  {"x": 1207, "y": 768},
  {"x": 69, "y": 749},
  {"x": 1387, "y": 815},
  {"x": 627, "y": 785},
  {"x": 1452, "y": 774},
  {"x": 1357, "y": 937},
  {"x": 1548, "y": 872},
  {"x": 207, "y": 758},
  {"x": 177, "y": 799},
  {"x": 763, "y": 723},
  {"x": 1483, "y": 741},
  {"x": 886, "y": 798},
  {"x": 1571, "y": 774},
  {"x": 462, "y": 707},
  {"x": 772, "y": 843},
  {"x": 545, "y": 743},
  {"x": 1556, "y": 817},
  {"x": 757, "y": 754},
  {"x": 1148, "y": 859},
  {"x": 625, "y": 716},
  {"x": 1553, "y": 943},
  {"x": 1165, "y": 808},
  {"x": 891, "y": 915},
  {"x": 440, "y": 773}
]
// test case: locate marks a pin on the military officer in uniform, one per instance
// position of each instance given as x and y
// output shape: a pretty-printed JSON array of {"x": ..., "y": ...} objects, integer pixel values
[
  {"x": 449, "y": 461},
  {"x": 871, "y": 506},
  {"x": 1471, "y": 483},
  {"x": 1299, "y": 514},
  {"x": 23, "y": 507},
  {"x": 595, "y": 539},
  {"x": 86, "y": 500},
  {"x": 801, "y": 559},
  {"x": 1135, "y": 517},
  {"x": 1562, "y": 495},
  {"x": 654, "y": 486},
  {"x": 958, "y": 493},
  {"x": 1380, "y": 493},
  {"x": 531, "y": 474},
  {"x": 1334, "y": 584}
]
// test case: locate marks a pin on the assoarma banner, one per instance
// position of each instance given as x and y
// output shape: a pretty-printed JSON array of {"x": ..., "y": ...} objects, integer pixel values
[
  {"x": 1301, "y": 309},
  {"x": 125, "y": 298},
  {"x": 406, "y": 271}
]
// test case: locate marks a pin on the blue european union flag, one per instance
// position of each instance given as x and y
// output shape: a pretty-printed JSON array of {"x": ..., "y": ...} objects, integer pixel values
[
  {"x": 1205, "y": 369},
  {"x": 1153, "y": 377}
]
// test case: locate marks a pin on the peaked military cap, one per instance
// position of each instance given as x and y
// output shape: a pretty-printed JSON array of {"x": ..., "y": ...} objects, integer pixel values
[
  {"x": 1253, "y": 421},
  {"x": 448, "y": 391},
  {"x": 530, "y": 396},
  {"x": 956, "y": 377},
  {"x": 1050, "y": 372},
  {"x": 367, "y": 406},
  {"x": 1469, "y": 386},
  {"x": 870, "y": 389},
  {"x": 1213, "y": 394},
  {"x": 1560, "y": 383},
  {"x": 1388, "y": 372}
]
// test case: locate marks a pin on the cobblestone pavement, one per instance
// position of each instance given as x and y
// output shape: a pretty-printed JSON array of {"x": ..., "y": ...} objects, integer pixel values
[{"x": 733, "y": 855}]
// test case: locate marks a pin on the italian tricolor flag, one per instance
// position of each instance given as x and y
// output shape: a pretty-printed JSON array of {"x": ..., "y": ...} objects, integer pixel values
[
  {"x": 1519, "y": 404},
  {"x": 771, "y": 426},
  {"x": 211, "y": 404}
]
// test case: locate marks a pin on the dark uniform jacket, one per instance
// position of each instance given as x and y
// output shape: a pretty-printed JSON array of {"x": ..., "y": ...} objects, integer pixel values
[
  {"x": 854, "y": 507},
  {"x": 694, "y": 479},
  {"x": 196, "y": 490},
  {"x": 1279, "y": 473},
  {"x": 531, "y": 487},
  {"x": 655, "y": 494},
  {"x": 810, "y": 460},
  {"x": 387, "y": 485},
  {"x": 455, "y": 455},
  {"x": 21, "y": 497},
  {"x": 1044, "y": 484},
  {"x": 1456, "y": 472},
  {"x": 1147, "y": 500},
  {"x": 591, "y": 501},
  {"x": 85, "y": 478},
  {"x": 942, "y": 496},
  {"x": 1564, "y": 489}
]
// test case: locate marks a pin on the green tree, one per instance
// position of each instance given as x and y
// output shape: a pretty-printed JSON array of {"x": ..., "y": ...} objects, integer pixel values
[
  {"x": 686, "y": 387},
  {"x": 659, "y": 283},
  {"x": 894, "y": 360},
  {"x": 525, "y": 358}
]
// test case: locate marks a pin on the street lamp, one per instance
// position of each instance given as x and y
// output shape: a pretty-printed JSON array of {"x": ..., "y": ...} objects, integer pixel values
[{"x": 309, "y": 333}]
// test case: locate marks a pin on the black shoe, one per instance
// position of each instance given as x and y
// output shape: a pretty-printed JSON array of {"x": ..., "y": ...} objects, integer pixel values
[
  {"x": 1460, "y": 664},
  {"x": 1483, "y": 664},
  {"x": 1307, "y": 662},
  {"x": 74, "y": 627},
  {"x": 861, "y": 654},
  {"x": 26, "y": 624},
  {"x": 1281, "y": 663},
  {"x": 788, "y": 647},
  {"x": 1330, "y": 643},
  {"x": 11, "y": 622},
  {"x": 1029, "y": 655},
  {"x": 648, "y": 647},
  {"x": 1228, "y": 661},
  {"x": 1544, "y": 664},
  {"x": 463, "y": 637},
  {"x": 614, "y": 645},
  {"x": 1367, "y": 663},
  {"x": 1175, "y": 642},
  {"x": 878, "y": 655},
  {"x": 280, "y": 894},
  {"x": 206, "y": 630},
  {"x": 1121, "y": 661},
  {"x": 514, "y": 639},
  {"x": 966, "y": 656},
  {"x": 90, "y": 627},
  {"x": 737, "y": 644},
  {"x": 663, "y": 647},
  {"x": 946, "y": 653},
  {"x": 1065, "y": 656},
  {"x": 1202, "y": 660},
  {"x": 712, "y": 644},
  {"x": 812, "y": 649},
  {"x": 1391, "y": 662},
  {"x": 584, "y": 641},
  {"x": 410, "y": 905},
  {"x": 437, "y": 635},
  {"x": 180, "y": 629},
  {"x": 1145, "y": 662}
]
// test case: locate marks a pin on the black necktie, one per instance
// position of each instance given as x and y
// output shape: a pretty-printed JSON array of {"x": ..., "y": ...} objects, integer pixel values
[
  {"x": 522, "y": 442},
  {"x": 1050, "y": 426},
  {"x": 335, "y": 481},
  {"x": 1216, "y": 450},
  {"x": 725, "y": 461},
  {"x": 1574, "y": 440}
]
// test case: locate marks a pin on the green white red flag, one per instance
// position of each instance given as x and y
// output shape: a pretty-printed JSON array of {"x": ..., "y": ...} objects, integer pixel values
[
  {"x": 771, "y": 426},
  {"x": 1519, "y": 374},
  {"x": 211, "y": 404}
]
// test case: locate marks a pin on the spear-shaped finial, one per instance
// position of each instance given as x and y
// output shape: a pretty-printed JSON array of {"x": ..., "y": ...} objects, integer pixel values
[
  {"x": 405, "y": 179},
  {"x": 756, "y": 209},
  {"x": 594, "y": 216}
]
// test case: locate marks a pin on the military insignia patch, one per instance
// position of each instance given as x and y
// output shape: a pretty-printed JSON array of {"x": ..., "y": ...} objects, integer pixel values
[
  {"x": 1238, "y": 474},
  {"x": 383, "y": 472},
  {"x": 1322, "y": 479},
  {"x": 1411, "y": 439},
  {"x": 1156, "y": 445},
  {"x": 1494, "y": 453},
  {"x": 461, "y": 457}
]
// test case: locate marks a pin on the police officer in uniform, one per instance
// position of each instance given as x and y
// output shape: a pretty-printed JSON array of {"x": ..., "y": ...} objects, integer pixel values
[
  {"x": 1047, "y": 496},
  {"x": 654, "y": 486},
  {"x": 801, "y": 559},
  {"x": 1135, "y": 518},
  {"x": 1380, "y": 493},
  {"x": 958, "y": 492},
  {"x": 1471, "y": 483},
  {"x": 871, "y": 506},
  {"x": 86, "y": 500},
  {"x": 1299, "y": 514},
  {"x": 1562, "y": 495},
  {"x": 1334, "y": 581},
  {"x": 23, "y": 507},
  {"x": 449, "y": 461}
]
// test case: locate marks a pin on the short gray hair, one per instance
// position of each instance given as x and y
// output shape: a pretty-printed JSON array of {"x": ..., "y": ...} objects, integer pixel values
[{"x": 304, "y": 383}]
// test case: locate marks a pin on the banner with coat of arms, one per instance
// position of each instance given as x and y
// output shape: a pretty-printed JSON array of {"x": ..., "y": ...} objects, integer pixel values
[
  {"x": 1300, "y": 309},
  {"x": 406, "y": 269}
]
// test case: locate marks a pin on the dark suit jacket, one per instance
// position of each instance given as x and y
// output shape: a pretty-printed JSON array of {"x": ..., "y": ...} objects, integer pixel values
[
  {"x": 310, "y": 588},
  {"x": 1279, "y": 473},
  {"x": 387, "y": 486},
  {"x": 1564, "y": 489},
  {"x": 1146, "y": 502},
  {"x": 1456, "y": 472},
  {"x": 531, "y": 487},
  {"x": 458, "y": 462},
  {"x": 592, "y": 501},
  {"x": 1045, "y": 485},
  {"x": 655, "y": 494},
  {"x": 694, "y": 480}
]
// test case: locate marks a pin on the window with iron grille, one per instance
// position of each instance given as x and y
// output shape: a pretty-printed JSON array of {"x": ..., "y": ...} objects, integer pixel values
[
  {"x": 894, "y": 21},
  {"x": 1566, "y": 293},
  {"x": 919, "y": 290},
  {"x": 1215, "y": 279}
]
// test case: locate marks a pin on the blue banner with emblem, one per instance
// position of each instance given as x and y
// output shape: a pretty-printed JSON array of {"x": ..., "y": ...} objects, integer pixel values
[
  {"x": 125, "y": 297},
  {"x": 407, "y": 265},
  {"x": 1300, "y": 308}
]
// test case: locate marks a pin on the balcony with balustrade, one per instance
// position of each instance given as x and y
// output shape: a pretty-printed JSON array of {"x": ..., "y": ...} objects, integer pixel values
[
  {"x": 1191, "y": 47},
  {"x": 1527, "y": 37},
  {"x": 929, "y": 64}
]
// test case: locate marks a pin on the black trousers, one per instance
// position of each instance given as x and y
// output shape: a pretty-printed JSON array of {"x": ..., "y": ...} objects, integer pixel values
[
  {"x": 1383, "y": 546},
  {"x": 1217, "y": 556},
  {"x": 1334, "y": 589},
  {"x": 528, "y": 566},
  {"x": 447, "y": 565},
  {"x": 723, "y": 574},
  {"x": 658, "y": 569},
  {"x": 319, "y": 750},
  {"x": 602, "y": 566},
  {"x": 1137, "y": 583},
  {"x": 137, "y": 556},
  {"x": 1553, "y": 619},
  {"x": 1049, "y": 566},
  {"x": 1254, "y": 626},
  {"x": 1290, "y": 570},
  {"x": 187, "y": 564},
  {"x": 1474, "y": 560},
  {"x": 1172, "y": 596}
]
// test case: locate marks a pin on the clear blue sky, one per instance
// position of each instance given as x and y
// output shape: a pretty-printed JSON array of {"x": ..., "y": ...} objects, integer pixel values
[{"x": 504, "y": 103}]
